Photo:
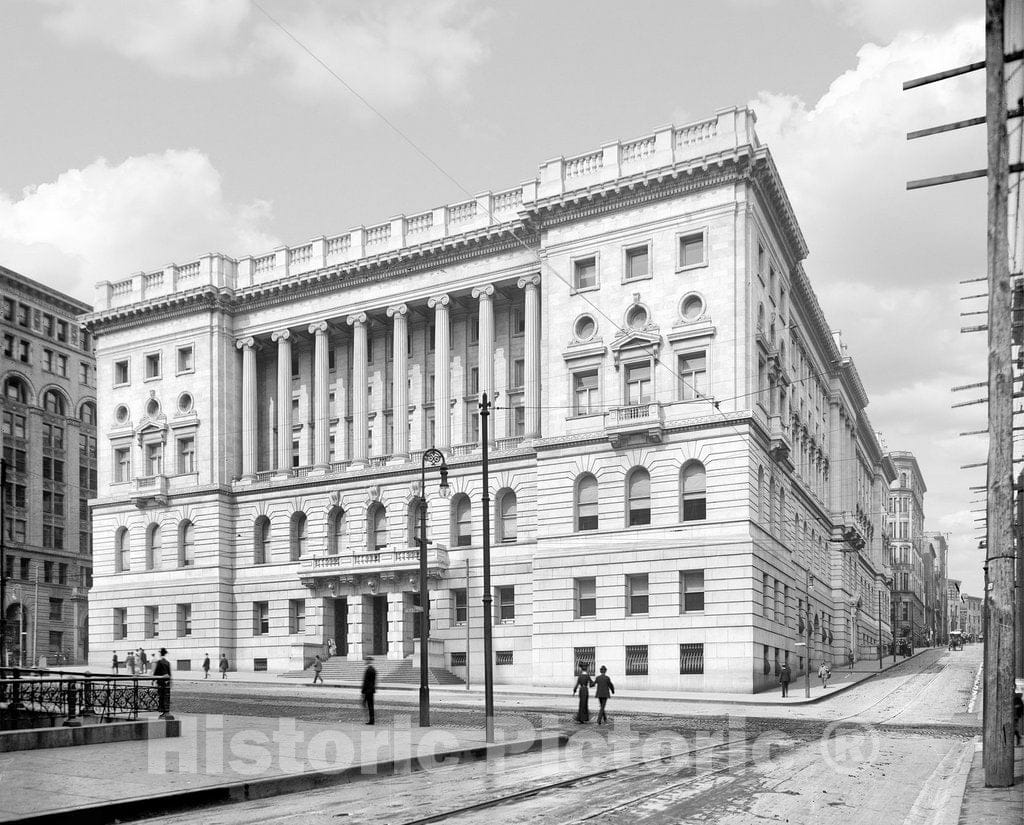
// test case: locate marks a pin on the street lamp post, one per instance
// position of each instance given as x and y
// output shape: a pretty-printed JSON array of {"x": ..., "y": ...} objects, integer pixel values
[
  {"x": 810, "y": 631},
  {"x": 433, "y": 457},
  {"x": 485, "y": 506}
]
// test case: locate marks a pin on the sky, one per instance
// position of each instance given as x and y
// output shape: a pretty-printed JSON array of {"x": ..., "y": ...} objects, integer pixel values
[{"x": 137, "y": 133}]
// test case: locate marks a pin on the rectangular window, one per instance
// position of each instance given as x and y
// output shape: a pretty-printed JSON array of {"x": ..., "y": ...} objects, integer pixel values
[
  {"x": 153, "y": 365},
  {"x": 24, "y": 566},
  {"x": 518, "y": 373},
  {"x": 62, "y": 574},
  {"x": 8, "y": 309},
  {"x": 638, "y": 262},
  {"x": 122, "y": 464},
  {"x": 56, "y": 610},
  {"x": 56, "y": 642},
  {"x": 518, "y": 420},
  {"x": 458, "y": 658},
  {"x": 260, "y": 618},
  {"x": 583, "y": 658},
  {"x": 48, "y": 360},
  {"x": 638, "y": 383},
  {"x": 184, "y": 620},
  {"x": 503, "y": 658},
  {"x": 473, "y": 329},
  {"x": 518, "y": 321},
  {"x": 23, "y": 352},
  {"x": 586, "y": 598},
  {"x": 636, "y": 660},
  {"x": 584, "y": 391},
  {"x": 472, "y": 423},
  {"x": 186, "y": 455},
  {"x": 691, "y": 659},
  {"x": 636, "y": 594},
  {"x": 473, "y": 385},
  {"x": 62, "y": 366},
  {"x": 506, "y": 604},
  {"x": 84, "y": 374},
  {"x": 693, "y": 373},
  {"x": 460, "y": 607},
  {"x": 297, "y": 616},
  {"x": 152, "y": 621},
  {"x": 47, "y": 570},
  {"x": 62, "y": 331},
  {"x": 691, "y": 591},
  {"x": 691, "y": 250},
  {"x": 23, "y": 315},
  {"x": 120, "y": 373},
  {"x": 584, "y": 273},
  {"x": 8, "y": 346},
  {"x": 185, "y": 362},
  {"x": 154, "y": 459},
  {"x": 120, "y": 623}
]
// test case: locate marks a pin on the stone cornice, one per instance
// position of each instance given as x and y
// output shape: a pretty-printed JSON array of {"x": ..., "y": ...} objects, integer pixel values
[{"x": 209, "y": 298}]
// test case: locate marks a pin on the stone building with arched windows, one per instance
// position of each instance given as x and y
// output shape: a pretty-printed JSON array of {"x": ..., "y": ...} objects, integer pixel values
[
  {"x": 48, "y": 418},
  {"x": 684, "y": 485}
]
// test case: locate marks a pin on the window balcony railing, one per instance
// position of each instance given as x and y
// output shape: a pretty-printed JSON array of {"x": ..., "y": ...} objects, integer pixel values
[
  {"x": 780, "y": 439},
  {"x": 149, "y": 491},
  {"x": 386, "y": 561},
  {"x": 635, "y": 424}
]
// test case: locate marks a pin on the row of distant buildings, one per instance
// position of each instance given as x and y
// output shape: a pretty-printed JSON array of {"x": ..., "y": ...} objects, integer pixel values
[{"x": 684, "y": 483}]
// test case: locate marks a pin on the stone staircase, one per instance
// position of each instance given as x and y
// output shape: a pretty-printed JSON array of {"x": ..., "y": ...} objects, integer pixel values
[{"x": 389, "y": 672}]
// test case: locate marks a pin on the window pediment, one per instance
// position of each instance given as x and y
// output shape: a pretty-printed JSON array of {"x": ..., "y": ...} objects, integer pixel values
[
  {"x": 627, "y": 342},
  {"x": 594, "y": 349}
]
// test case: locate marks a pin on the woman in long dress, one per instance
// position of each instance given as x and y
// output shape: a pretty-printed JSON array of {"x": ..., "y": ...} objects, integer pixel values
[{"x": 583, "y": 685}]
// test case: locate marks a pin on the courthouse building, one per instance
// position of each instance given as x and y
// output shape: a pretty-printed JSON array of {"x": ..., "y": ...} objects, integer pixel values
[
  {"x": 684, "y": 484},
  {"x": 48, "y": 418}
]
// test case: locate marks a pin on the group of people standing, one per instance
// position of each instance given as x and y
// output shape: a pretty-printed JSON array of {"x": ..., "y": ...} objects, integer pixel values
[{"x": 136, "y": 663}]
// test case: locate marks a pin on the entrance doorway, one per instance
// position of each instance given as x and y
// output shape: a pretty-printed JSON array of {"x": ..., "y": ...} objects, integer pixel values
[
  {"x": 341, "y": 626},
  {"x": 380, "y": 625}
]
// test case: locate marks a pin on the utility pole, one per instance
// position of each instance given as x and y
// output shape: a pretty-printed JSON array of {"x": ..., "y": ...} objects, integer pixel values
[
  {"x": 485, "y": 503},
  {"x": 879, "y": 629},
  {"x": 999, "y": 589}
]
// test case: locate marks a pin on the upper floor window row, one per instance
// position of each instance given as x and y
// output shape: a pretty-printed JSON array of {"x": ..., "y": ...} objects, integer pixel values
[
  {"x": 636, "y": 261},
  {"x": 153, "y": 365},
  {"x": 692, "y": 493}
]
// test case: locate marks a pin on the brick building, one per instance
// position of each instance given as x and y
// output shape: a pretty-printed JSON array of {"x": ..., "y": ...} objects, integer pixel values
[{"x": 48, "y": 413}]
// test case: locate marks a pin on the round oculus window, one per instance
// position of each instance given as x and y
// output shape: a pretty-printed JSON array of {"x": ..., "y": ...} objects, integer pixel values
[
  {"x": 585, "y": 328},
  {"x": 636, "y": 318},
  {"x": 185, "y": 402},
  {"x": 692, "y": 307},
  {"x": 121, "y": 414},
  {"x": 153, "y": 407}
]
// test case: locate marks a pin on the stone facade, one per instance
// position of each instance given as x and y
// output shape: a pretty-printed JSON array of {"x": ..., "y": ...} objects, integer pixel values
[
  {"x": 48, "y": 414},
  {"x": 911, "y": 559},
  {"x": 684, "y": 484}
]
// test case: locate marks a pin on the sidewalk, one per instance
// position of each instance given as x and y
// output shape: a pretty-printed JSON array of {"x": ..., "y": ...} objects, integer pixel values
[
  {"x": 232, "y": 758},
  {"x": 993, "y": 806}
]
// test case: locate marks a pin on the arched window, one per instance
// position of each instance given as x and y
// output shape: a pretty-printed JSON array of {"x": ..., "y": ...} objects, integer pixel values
[
  {"x": 771, "y": 504},
  {"x": 462, "y": 521},
  {"x": 15, "y": 389},
  {"x": 122, "y": 551},
  {"x": 693, "y": 492},
  {"x": 335, "y": 531},
  {"x": 782, "y": 513},
  {"x": 586, "y": 502},
  {"x": 261, "y": 541},
  {"x": 53, "y": 402},
  {"x": 413, "y": 522},
  {"x": 186, "y": 544},
  {"x": 638, "y": 497},
  {"x": 87, "y": 413},
  {"x": 508, "y": 520},
  {"x": 299, "y": 536},
  {"x": 904, "y": 480},
  {"x": 377, "y": 527},
  {"x": 154, "y": 547}
]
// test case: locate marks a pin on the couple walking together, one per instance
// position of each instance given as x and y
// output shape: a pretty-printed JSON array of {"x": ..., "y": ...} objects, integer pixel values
[{"x": 605, "y": 688}]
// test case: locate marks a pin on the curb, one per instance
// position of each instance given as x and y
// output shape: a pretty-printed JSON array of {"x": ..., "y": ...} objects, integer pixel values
[{"x": 125, "y": 810}]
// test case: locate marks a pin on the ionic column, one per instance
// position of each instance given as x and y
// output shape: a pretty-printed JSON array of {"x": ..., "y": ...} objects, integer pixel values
[
  {"x": 442, "y": 371},
  {"x": 284, "y": 399},
  {"x": 248, "y": 348},
  {"x": 358, "y": 389},
  {"x": 400, "y": 379},
  {"x": 321, "y": 397},
  {"x": 485, "y": 294},
  {"x": 531, "y": 391}
]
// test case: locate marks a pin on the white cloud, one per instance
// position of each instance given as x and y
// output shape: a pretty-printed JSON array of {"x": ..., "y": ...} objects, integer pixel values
[
  {"x": 887, "y": 18},
  {"x": 886, "y": 263},
  {"x": 392, "y": 53},
  {"x": 103, "y": 222}
]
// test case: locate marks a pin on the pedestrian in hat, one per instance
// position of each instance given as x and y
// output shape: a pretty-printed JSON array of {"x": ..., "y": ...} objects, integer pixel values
[
  {"x": 162, "y": 675},
  {"x": 224, "y": 666},
  {"x": 583, "y": 685},
  {"x": 369, "y": 688},
  {"x": 785, "y": 677},
  {"x": 605, "y": 689},
  {"x": 206, "y": 666},
  {"x": 318, "y": 666},
  {"x": 116, "y": 663}
]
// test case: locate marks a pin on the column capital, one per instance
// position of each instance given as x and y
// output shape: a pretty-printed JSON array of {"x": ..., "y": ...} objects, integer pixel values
[
  {"x": 318, "y": 327},
  {"x": 529, "y": 281},
  {"x": 245, "y": 343},
  {"x": 438, "y": 300},
  {"x": 356, "y": 319},
  {"x": 484, "y": 292},
  {"x": 281, "y": 335},
  {"x": 400, "y": 310}
]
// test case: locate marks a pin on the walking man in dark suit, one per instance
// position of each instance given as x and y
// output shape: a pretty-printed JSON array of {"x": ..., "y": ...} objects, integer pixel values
[
  {"x": 785, "y": 677},
  {"x": 369, "y": 687},
  {"x": 605, "y": 688}
]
